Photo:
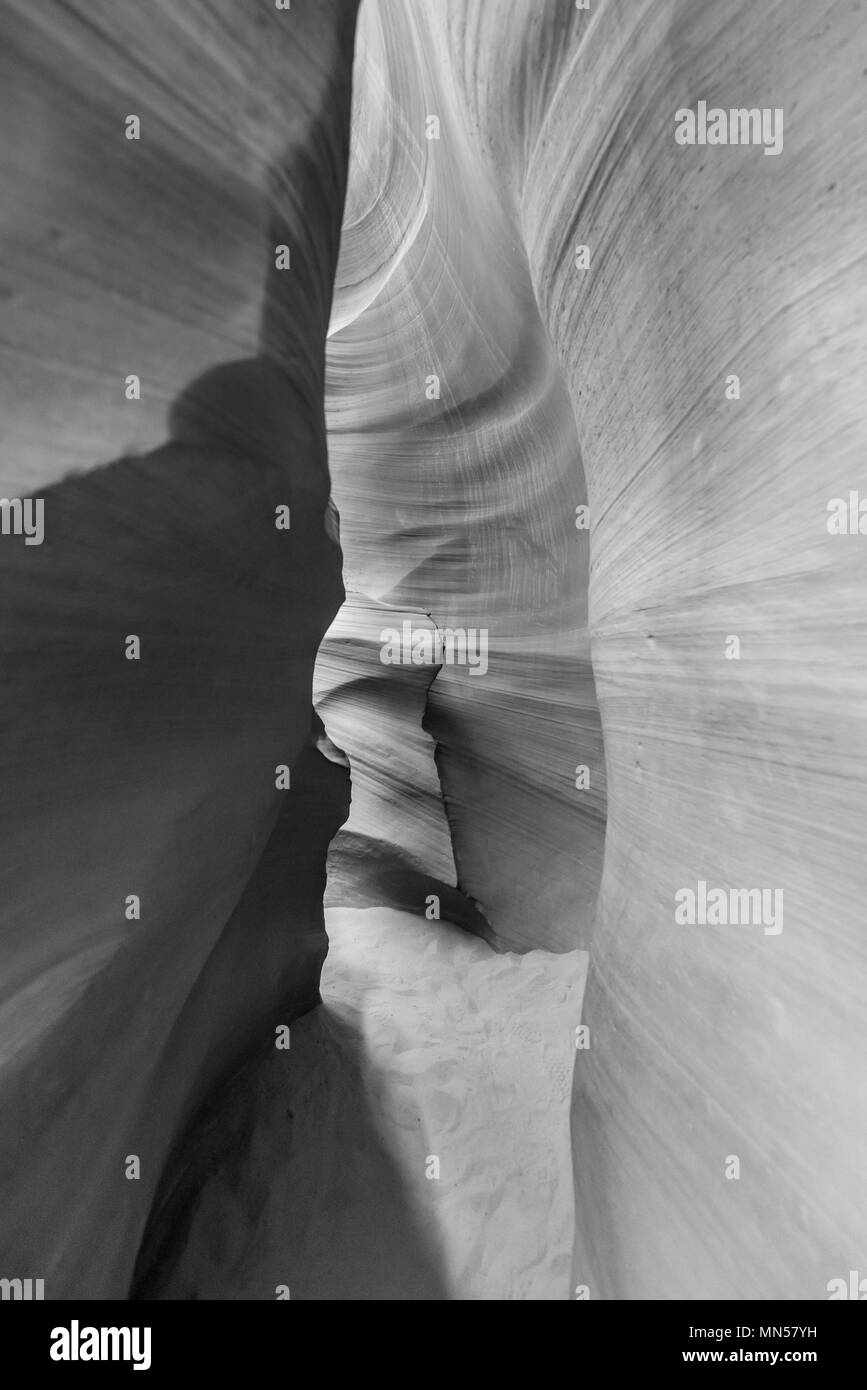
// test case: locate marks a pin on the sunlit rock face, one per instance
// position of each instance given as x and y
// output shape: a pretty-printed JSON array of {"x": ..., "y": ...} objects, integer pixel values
[
  {"x": 457, "y": 471},
  {"x": 708, "y": 516},
  {"x": 156, "y": 778}
]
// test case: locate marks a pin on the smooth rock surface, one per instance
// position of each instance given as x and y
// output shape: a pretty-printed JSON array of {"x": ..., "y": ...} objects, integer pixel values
[{"x": 708, "y": 520}]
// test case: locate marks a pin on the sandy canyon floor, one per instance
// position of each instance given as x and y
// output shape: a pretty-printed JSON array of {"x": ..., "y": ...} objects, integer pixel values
[{"x": 412, "y": 1142}]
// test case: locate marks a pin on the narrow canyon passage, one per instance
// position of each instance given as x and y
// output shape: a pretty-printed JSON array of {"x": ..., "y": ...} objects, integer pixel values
[
  {"x": 435, "y": 612},
  {"x": 413, "y": 1143}
]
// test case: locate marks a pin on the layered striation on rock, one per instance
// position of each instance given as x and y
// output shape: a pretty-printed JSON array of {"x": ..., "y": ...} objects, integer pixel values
[
  {"x": 456, "y": 468},
  {"x": 396, "y": 846},
  {"x": 731, "y": 763}
]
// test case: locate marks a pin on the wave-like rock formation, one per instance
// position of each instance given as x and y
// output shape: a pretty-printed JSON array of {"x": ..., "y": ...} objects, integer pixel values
[
  {"x": 541, "y": 307},
  {"x": 708, "y": 522}
]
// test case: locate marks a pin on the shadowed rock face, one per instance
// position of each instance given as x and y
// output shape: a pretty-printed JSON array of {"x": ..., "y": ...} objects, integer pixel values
[
  {"x": 480, "y": 387},
  {"x": 157, "y": 777}
]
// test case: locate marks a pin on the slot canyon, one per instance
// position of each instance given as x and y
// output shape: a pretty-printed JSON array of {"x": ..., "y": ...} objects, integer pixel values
[{"x": 438, "y": 594}]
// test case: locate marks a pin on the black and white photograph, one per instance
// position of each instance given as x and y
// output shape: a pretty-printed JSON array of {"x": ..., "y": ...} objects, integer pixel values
[{"x": 433, "y": 669}]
